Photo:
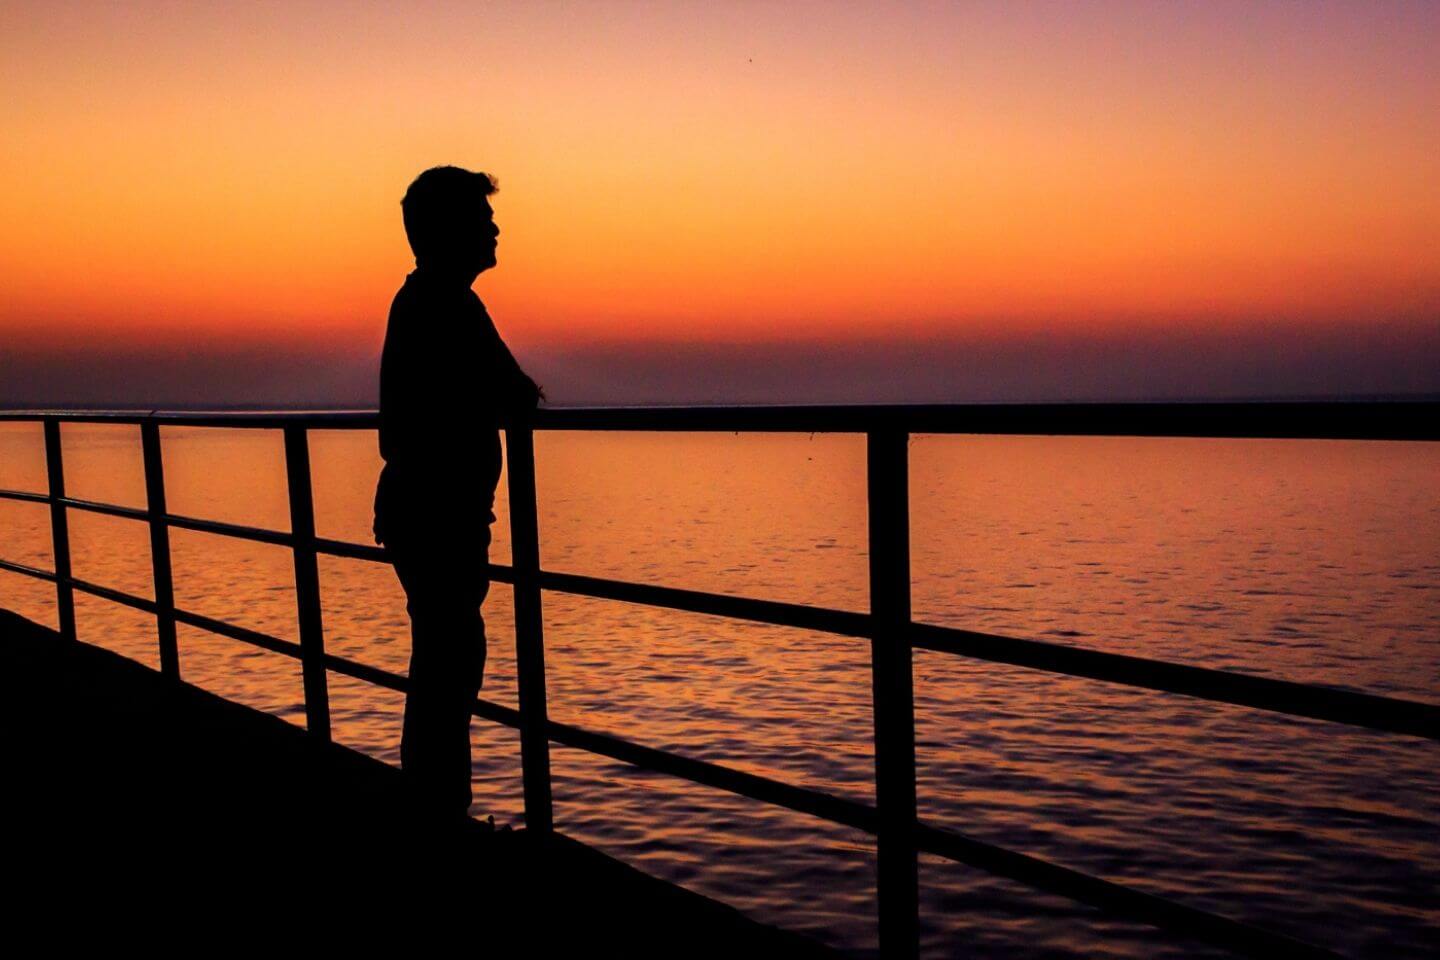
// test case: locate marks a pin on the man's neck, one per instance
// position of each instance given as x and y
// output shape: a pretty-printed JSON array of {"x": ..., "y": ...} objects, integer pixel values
[{"x": 445, "y": 274}]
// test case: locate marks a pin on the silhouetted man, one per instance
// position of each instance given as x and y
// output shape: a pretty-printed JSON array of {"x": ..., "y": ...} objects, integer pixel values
[{"x": 447, "y": 383}]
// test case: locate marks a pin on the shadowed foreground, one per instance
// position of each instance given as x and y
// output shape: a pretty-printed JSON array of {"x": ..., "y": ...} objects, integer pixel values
[{"x": 134, "y": 807}]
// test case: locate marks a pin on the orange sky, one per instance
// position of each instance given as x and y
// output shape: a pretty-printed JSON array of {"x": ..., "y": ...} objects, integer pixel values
[{"x": 746, "y": 172}]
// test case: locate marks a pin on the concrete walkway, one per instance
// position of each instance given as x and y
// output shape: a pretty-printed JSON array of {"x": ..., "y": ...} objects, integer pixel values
[{"x": 137, "y": 812}]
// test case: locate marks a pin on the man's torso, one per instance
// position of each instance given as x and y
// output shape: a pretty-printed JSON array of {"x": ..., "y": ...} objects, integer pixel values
[{"x": 439, "y": 426}]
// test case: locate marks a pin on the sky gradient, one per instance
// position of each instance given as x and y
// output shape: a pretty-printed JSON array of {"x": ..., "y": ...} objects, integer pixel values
[{"x": 731, "y": 201}]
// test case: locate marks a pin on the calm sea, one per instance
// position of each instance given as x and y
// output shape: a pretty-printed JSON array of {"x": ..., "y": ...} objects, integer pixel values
[{"x": 1315, "y": 561}]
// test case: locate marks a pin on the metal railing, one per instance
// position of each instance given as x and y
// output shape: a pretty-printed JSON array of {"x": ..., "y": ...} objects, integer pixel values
[{"x": 893, "y": 634}]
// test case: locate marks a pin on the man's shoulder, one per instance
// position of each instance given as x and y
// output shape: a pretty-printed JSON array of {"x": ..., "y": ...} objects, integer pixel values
[
  {"x": 411, "y": 296},
  {"x": 416, "y": 295}
]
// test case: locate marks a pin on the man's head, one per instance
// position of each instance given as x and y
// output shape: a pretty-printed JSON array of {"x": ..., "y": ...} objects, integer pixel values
[{"x": 449, "y": 221}]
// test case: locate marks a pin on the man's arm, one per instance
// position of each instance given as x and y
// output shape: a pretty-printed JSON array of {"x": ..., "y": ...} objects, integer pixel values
[
  {"x": 513, "y": 391},
  {"x": 521, "y": 390}
]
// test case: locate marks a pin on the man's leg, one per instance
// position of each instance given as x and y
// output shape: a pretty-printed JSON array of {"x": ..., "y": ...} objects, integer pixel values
[{"x": 447, "y": 665}]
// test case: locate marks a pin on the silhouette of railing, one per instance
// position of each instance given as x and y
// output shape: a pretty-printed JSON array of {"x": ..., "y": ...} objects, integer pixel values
[{"x": 900, "y": 835}]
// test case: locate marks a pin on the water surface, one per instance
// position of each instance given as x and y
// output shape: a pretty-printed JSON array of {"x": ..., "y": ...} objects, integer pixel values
[{"x": 1310, "y": 560}]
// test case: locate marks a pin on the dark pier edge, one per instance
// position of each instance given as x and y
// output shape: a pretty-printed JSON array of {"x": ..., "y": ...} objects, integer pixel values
[{"x": 139, "y": 811}]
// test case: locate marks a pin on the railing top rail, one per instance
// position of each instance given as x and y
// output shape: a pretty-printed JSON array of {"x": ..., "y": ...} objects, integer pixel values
[
  {"x": 254, "y": 419},
  {"x": 1330, "y": 420},
  {"x": 1318, "y": 420}
]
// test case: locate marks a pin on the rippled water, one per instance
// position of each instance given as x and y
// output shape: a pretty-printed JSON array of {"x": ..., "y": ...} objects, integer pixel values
[{"x": 1316, "y": 561}]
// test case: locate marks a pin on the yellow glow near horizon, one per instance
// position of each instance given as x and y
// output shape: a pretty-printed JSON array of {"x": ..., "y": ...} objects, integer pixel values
[{"x": 683, "y": 172}]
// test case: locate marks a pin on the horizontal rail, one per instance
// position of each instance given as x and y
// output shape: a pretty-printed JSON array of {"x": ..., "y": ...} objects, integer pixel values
[
  {"x": 826, "y": 806},
  {"x": 1207, "y": 927},
  {"x": 28, "y": 570},
  {"x": 844, "y": 622},
  {"x": 1321, "y": 420},
  {"x": 143, "y": 604},
  {"x": 279, "y": 538},
  {"x": 1386, "y": 714},
  {"x": 1308, "y": 701},
  {"x": 238, "y": 531},
  {"x": 24, "y": 495},
  {"x": 1409, "y": 420},
  {"x": 256, "y": 638},
  {"x": 107, "y": 509},
  {"x": 482, "y": 708},
  {"x": 146, "y": 605},
  {"x": 320, "y": 420}
]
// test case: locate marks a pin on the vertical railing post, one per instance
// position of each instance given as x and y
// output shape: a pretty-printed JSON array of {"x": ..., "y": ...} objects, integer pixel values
[
  {"x": 59, "y": 530},
  {"x": 529, "y": 629},
  {"x": 897, "y": 884},
  {"x": 160, "y": 549},
  {"x": 307, "y": 583}
]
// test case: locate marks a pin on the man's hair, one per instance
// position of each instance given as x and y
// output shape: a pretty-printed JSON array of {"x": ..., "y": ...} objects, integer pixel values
[{"x": 436, "y": 202}]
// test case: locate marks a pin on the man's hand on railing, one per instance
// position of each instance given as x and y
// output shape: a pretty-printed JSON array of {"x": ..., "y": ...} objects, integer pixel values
[
  {"x": 531, "y": 393},
  {"x": 521, "y": 401}
]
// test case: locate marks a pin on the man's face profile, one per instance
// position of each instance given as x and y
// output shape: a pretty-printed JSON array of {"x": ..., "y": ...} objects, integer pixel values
[{"x": 481, "y": 235}]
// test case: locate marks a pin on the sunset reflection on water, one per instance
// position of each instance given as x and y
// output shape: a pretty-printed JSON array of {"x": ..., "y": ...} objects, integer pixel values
[{"x": 1315, "y": 561}]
